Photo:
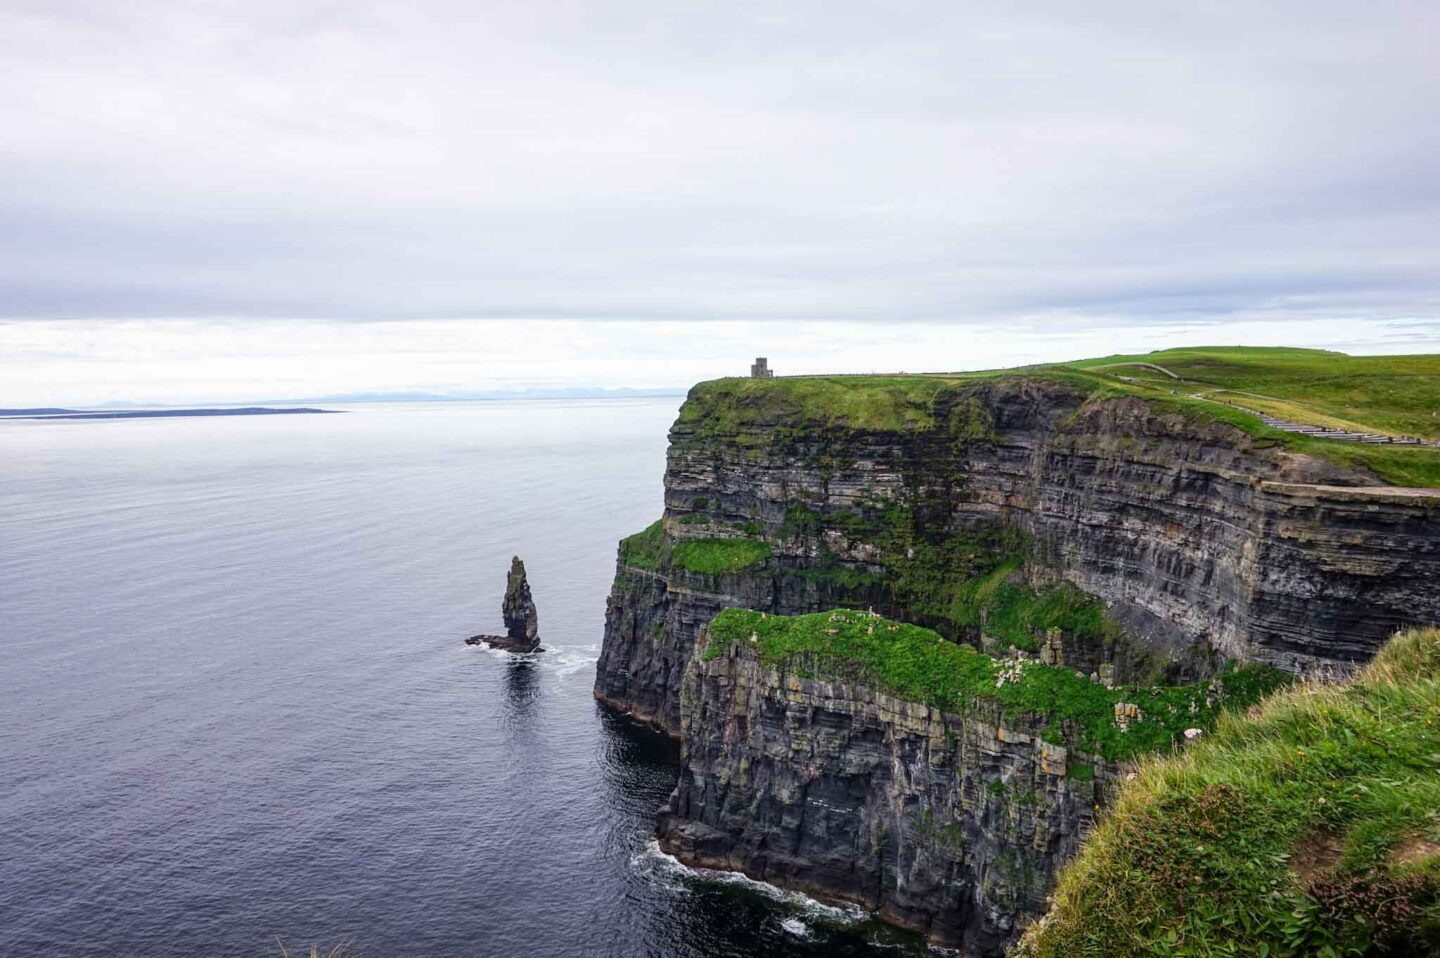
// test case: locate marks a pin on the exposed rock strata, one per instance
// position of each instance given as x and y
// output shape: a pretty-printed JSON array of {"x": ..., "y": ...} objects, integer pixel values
[
  {"x": 522, "y": 624},
  {"x": 946, "y": 824},
  {"x": 1205, "y": 544}
]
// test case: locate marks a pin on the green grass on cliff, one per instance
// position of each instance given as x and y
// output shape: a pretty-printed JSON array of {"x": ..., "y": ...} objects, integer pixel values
[
  {"x": 860, "y": 402},
  {"x": 646, "y": 549},
  {"x": 718, "y": 556},
  {"x": 970, "y": 580},
  {"x": 1394, "y": 394},
  {"x": 1397, "y": 395},
  {"x": 1312, "y": 828},
  {"x": 918, "y": 665},
  {"x": 652, "y": 550}
]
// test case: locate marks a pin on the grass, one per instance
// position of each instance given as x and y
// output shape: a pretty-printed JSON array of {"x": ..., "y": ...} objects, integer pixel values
[
  {"x": 717, "y": 556},
  {"x": 1392, "y": 394},
  {"x": 647, "y": 548},
  {"x": 918, "y": 665},
  {"x": 1015, "y": 614},
  {"x": 1398, "y": 395},
  {"x": 1310, "y": 828},
  {"x": 652, "y": 550},
  {"x": 859, "y": 402},
  {"x": 968, "y": 579}
]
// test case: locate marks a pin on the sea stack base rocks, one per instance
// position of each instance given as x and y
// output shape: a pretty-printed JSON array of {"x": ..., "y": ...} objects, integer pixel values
[{"x": 522, "y": 625}]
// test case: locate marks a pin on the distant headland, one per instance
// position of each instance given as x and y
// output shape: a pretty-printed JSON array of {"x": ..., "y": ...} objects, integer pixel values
[{"x": 159, "y": 413}]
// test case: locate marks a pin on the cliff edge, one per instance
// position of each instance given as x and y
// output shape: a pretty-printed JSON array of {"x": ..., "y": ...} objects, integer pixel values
[{"x": 1129, "y": 532}]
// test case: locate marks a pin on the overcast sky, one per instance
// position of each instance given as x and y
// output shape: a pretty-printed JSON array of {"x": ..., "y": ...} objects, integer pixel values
[{"x": 217, "y": 200}]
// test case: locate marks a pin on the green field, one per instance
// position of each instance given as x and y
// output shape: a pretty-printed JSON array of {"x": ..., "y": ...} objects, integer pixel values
[
  {"x": 1392, "y": 395},
  {"x": 1310, "y": 828},
  {"x": 1398, "y": 395}
]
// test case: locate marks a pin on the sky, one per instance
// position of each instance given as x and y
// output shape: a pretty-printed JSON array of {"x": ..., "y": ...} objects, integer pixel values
[{"x": 227, "y": 201}]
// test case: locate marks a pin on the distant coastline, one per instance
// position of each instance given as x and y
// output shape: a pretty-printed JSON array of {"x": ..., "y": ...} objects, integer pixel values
[{"x": 159, "y": 413}]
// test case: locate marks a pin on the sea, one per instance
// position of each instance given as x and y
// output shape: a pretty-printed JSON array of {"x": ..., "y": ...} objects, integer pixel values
[{"x": 237, "y": 715}]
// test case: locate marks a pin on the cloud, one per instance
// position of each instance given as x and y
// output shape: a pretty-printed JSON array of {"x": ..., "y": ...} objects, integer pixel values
[
  {"x": 978, "y": 163},
  {"x": 170, "y": 361}
]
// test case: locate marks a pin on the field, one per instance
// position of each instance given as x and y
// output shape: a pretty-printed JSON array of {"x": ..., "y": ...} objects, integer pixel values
[
  {"x": 1397, "y": 395},
  {"x": 1388, "y": 395}
]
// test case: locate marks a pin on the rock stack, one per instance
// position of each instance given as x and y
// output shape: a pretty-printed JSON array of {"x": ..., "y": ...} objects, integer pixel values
[{"x": 522, "y": 625}]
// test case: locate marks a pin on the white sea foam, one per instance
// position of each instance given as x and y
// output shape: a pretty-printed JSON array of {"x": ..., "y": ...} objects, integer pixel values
[
  {"x": 566, "y": 661},
  {"x": 569, "y": 661},
  {"x": 658, "y": 862},
  {"x": 796, "y": 927}
]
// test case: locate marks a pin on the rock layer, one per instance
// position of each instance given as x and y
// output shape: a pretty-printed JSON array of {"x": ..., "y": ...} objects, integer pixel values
[
  {"x": 1204, "y": 543},
  {"x": 522, "y": 624},
  {"x": 950, "y": 825}
]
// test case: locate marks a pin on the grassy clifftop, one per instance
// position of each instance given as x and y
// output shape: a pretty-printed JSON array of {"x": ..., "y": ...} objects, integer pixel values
[
  {"x": 1391, "y": 394},
  {"x": 1394, "y": 395},
  {"x": 1309, "y": 828}
]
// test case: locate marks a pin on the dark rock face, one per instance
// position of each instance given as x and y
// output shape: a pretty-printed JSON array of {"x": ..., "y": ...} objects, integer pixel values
[
  {"x": 951, "y": 826},
  {"x": 522, "y": 624},
  {"x": 1203, "y": 543}
]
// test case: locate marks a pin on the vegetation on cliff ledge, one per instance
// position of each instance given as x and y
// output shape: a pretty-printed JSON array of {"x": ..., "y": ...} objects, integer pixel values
[
  {"x": 646, "y": 549},
  {"x": 650, "y": 549},
  {"x": 1311, "y": 828},
  {"x": 715, "y": 556},
  {"x": 919, "y": 665},
  {"x": 963, "y": 580}
]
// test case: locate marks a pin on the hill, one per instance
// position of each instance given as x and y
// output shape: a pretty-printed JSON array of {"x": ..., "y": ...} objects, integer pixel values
[
  {"x": 1394, "y": 396},
  {"x": 1398, "y": 395},
  {"x": 1310, "y": 827}
]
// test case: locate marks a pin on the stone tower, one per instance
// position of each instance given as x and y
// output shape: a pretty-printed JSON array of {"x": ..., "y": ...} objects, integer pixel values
[{"x": 761, "y": 369}]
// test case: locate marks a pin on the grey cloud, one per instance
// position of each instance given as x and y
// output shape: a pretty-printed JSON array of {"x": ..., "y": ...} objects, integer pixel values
[{"x": 913, "y": 161}]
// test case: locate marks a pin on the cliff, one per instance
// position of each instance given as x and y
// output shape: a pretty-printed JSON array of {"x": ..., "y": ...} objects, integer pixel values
[
  {"x": 862, "y": 759},
  {"x": 1158, "y": 541},
  {"x": 1136, "y": 542},
  {"x": 945, "y": 824}
]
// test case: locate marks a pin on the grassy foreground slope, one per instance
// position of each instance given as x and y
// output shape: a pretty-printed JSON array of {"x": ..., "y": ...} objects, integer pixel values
[{"x": 1310, "y": 827}]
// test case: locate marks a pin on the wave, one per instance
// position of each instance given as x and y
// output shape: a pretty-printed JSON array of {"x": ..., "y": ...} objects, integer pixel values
[
  {"x": 655, "y": 863},
  {"x": 559, "y": 661}
]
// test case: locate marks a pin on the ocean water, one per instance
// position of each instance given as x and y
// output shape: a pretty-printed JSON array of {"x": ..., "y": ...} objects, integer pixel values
[{"x": 236, "y": 711}]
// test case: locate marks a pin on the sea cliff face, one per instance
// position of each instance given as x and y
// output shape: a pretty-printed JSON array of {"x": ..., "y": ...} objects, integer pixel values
[
  {"x": 949, "y": 825},
  {"x": 1127, "y": 540},
  {"x": 1202, "y": 543}
]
